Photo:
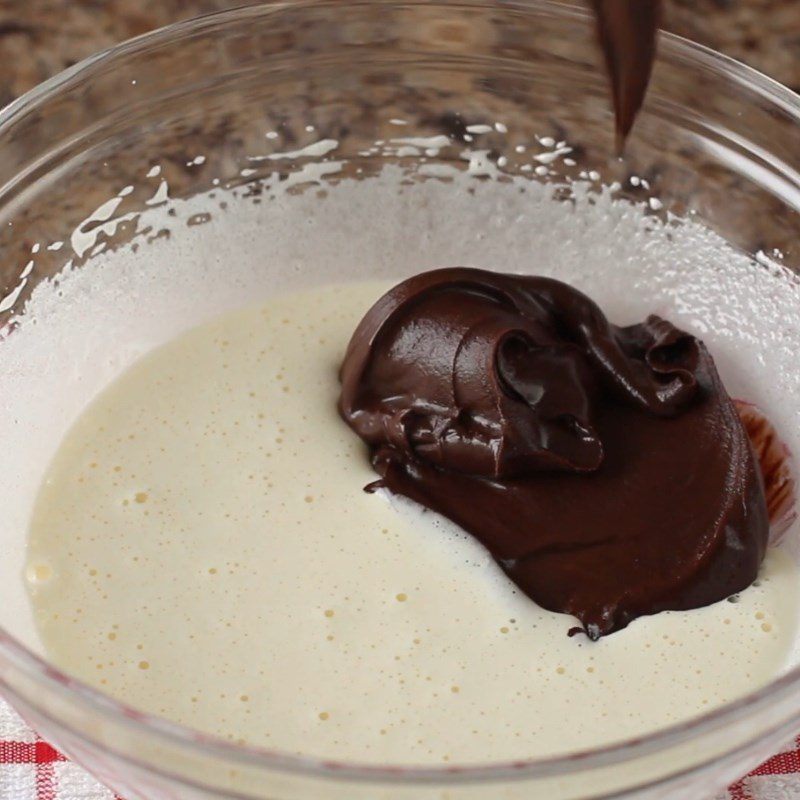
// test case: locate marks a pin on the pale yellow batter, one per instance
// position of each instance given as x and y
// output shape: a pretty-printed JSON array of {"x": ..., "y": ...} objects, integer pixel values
[{"x": 202, "y": 548}]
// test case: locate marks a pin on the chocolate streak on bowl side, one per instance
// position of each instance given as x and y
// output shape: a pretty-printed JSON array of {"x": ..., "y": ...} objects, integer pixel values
[
  {"x": 605, "y": 468},
  {"x": 627, "y": 30},
  {"x": 774, "y": 460}
]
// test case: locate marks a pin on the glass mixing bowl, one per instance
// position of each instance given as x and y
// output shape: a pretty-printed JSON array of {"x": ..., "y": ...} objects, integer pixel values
[{"x": 716, "y": 141}]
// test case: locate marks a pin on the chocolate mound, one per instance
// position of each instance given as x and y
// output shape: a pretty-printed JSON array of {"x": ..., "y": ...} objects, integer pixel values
[{"x": 605, "y": 468}]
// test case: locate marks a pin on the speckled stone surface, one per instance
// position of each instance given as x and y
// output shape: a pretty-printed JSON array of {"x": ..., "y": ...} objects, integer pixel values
[{"x": 41, "y": 37}]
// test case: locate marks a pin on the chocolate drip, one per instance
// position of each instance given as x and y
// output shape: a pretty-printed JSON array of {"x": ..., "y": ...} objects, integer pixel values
[
  {"x": 605, "y": 468},
  {"x": 627, "y": 31}
]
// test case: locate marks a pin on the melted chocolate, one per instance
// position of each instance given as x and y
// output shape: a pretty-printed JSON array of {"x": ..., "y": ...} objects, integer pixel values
[
  {"x": 605, "y": 468},
  {"x": 627, "y": 31}
]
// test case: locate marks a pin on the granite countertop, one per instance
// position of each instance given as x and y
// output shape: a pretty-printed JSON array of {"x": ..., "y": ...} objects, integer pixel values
[{"x": 38, "y": 38}]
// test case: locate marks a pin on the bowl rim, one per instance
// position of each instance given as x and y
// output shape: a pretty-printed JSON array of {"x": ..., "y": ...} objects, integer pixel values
[{"x": 15, "y": 655}]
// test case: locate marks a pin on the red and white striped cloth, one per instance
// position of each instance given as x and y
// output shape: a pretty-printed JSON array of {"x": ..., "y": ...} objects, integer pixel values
[{"x": 31, "y": 769}]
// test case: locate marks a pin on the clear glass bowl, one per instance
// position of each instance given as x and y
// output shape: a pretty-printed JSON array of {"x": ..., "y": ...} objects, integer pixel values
[{"x": 716, "y": 140}]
